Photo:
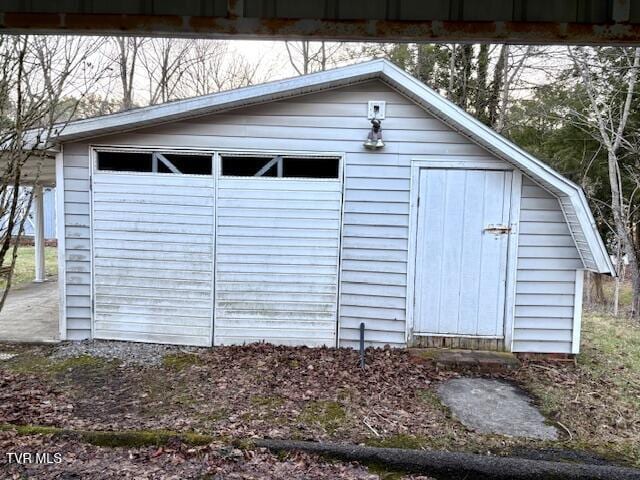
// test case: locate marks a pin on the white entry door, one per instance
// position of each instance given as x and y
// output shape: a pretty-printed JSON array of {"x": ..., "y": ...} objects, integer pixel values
[{"x": 461, "y": 252}]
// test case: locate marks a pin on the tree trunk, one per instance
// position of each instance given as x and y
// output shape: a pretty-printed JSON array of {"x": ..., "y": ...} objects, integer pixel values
[
  {"x": 466, "y": 58},
  {"x": 618, "y": 281},
  {"x": 635, "y": 289},
  {"x": 594, "y": 290},
  {"x": 496, "y": 88},
  {"x": 622, "y": 232},
  {"x": 452, "y": 72},
  {"x": 504, "y": 97},
  {"x": 481, "y": 86}
]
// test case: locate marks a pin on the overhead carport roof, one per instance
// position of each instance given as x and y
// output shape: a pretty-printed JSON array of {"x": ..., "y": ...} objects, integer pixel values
[{"x": 512, "y": 21}]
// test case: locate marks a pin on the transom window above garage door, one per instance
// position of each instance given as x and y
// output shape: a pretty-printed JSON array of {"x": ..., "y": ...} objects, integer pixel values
[
  {"x": 282, "y": 166},
  {"x": 156, "y": 162}
]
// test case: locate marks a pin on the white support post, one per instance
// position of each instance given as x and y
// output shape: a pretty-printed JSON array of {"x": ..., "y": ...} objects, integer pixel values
[
  {"x": 577, "y": 312},
  {"x": 38, "y": 201},
  {"x": 60, "y": 236}
]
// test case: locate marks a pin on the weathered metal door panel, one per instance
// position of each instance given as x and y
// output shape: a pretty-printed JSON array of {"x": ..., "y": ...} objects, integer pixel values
[
  {"x": 153, "y": 238},
  {"x": 461, "y": 252},
  {"x": 277, "y": 251}
]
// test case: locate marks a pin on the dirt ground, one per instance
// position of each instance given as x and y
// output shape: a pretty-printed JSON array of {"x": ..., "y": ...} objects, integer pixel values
[
  {"x": 174, "y": 461},
  {"x": 261, "y": 391}
]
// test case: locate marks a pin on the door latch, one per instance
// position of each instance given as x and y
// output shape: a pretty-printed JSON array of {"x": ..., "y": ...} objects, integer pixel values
[{"x": 498, "y": 229}]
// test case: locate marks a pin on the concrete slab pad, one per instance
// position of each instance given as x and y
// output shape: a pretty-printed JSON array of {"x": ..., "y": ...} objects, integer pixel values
[
  {"x": 494, "y": 406},
  {"x": 30, "y": 314},
  {"x": 460, "y": 360}
]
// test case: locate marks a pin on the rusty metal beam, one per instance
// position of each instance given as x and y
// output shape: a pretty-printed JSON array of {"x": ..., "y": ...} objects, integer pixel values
[{"x": 618, "y": 24}]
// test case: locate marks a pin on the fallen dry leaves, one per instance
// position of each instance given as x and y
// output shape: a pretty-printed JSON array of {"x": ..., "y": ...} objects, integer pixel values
[
  {"x": 27, "y": 399},
  {"x": 299, "y": 393},
  {"x": 258, "y": 390},
  {"x": 216, "y": 461}
]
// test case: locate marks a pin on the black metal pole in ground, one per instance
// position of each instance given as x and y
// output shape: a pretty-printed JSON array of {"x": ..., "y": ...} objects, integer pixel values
[{"x": 362, "y": 345}]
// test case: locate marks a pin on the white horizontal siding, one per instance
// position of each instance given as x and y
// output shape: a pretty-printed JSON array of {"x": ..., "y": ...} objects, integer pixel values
[
  {"x": 77, "y": 244},
  {"x": 545, "y": 281},
  {"x": 374, "y": 249}
]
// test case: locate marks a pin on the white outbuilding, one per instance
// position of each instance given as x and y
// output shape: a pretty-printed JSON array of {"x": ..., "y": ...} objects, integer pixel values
[{"x": 259, "y": 214}]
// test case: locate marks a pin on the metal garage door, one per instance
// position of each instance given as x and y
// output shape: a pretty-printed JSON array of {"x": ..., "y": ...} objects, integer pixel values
[
  {"x": 277, "y": 254},
  {"x": 153, "y": 240}
]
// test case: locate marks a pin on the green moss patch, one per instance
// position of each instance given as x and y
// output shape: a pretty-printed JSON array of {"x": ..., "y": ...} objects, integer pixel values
[
  {"x": 82, "y": 363},
  {"x": 430, "y": 398},
  {"x": 329, "y": 415},
  {"x": 143, "y": 438},
  {"x": 127, "y": 439},
  {"x": 180, "y": 361}
]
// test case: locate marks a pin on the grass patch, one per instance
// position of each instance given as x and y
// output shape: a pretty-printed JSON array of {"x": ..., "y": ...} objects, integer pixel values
[
  {"x": 329, "y": 415},
  {"x": 430, "y": 397},
  {"x": 30, "y": 363},
  {"x": 81, "y": 363},
  {"x": 127, "y": 438},
  {"x": 612, "y": 349},
  {"x": 597, "y": 400},
  {"x": 180, "y": 361},
  {"x": 626, "y": 292},
  {"x": 164, "y": 395},
  {"x": 26, "y": 264},
  {"x": 266, "y": 401}
]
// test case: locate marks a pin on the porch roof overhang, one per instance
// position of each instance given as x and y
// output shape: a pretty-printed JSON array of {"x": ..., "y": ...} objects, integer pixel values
[
  {"x": 571, "y": 197},
  {"x": 40, "y": 169}
]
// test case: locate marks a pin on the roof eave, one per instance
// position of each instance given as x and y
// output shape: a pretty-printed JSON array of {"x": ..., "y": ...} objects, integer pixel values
[
  {"x": 493, "y": 141},
  {"x": 208, "y": 104}
]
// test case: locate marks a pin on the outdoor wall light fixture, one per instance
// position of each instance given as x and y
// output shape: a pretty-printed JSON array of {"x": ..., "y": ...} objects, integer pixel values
[
  {"x": 376, "y": 113},
  {"x": 374, "y": 139}
]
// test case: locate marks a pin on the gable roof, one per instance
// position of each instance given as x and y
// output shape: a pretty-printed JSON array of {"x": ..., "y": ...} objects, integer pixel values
[{"x": 571, "y": 197}]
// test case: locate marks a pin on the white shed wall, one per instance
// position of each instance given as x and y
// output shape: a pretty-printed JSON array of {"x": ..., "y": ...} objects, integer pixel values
[
  {"x": 545, "y": 281},
  {"x": 376, "y": 205}
]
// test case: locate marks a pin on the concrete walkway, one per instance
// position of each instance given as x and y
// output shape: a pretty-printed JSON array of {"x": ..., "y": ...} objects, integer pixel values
[
  {"x": 30, "y": 314},
  {"x": 493, "y": 406}
]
